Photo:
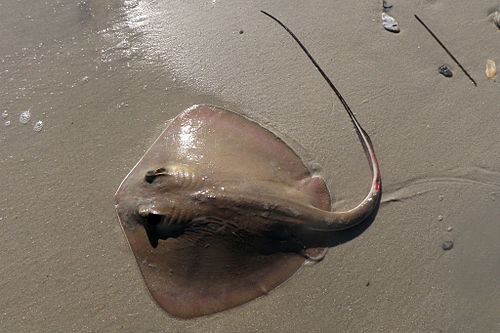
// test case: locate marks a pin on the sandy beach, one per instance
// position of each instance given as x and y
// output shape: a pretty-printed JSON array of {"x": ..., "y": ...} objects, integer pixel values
[{"x": 105, "y": 77}]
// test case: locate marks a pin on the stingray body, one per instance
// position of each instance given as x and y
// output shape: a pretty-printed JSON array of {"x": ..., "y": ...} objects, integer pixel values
[{"x": 220, "y": 210}]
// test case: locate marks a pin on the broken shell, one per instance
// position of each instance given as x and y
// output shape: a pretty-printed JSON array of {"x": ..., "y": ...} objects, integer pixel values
[
  {"x": 389, "y": 23},
  {"x": 496, "y": 19},
  {"x": 444, "y": 70},
  {"x": 491, "y": 69}
]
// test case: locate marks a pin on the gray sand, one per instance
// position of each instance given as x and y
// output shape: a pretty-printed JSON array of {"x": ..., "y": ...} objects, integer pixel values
[{"x": 105, "y": 77}]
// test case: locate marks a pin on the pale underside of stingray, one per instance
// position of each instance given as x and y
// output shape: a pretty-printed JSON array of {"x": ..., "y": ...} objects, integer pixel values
[{"x": 220, "y": 210}]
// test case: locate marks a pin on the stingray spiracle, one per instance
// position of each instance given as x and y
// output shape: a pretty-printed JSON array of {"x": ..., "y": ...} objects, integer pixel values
[{"x": 173, "y": 216}]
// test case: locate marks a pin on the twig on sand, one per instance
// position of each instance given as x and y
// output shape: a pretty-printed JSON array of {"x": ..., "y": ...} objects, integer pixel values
[{"x": 444, "y": 47}]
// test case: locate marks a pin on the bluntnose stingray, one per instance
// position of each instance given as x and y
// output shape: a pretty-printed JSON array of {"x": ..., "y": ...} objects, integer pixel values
[{"x": 219, "y": 210}]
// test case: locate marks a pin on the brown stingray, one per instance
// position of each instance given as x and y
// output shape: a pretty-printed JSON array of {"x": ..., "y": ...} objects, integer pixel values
[{"x": 220, "y": 210}]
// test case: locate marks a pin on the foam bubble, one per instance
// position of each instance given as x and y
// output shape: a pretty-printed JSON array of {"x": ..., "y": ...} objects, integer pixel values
[
  {"x": 25, "y": 117},
  {"x": 38, "y": 126}
]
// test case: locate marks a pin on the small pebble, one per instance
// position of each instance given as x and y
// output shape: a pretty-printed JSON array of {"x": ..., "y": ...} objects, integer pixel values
[
  {"x": 450, "y": 229},
  {"x": 491, "y": 69},
  {"x": 385, "y": 6},
  {"x": 7, "y": 123},
  {"x": 38, "y": 126},
  {"x": 441, "y": 197},
  {"x": 5, "y": 114},
  {"x": 24, "y": 117},
  {"x": 389, "y": 23},
  {"x": 440, "y": 217},
  {"x": 448, "y": 245},
  {"x": 241, "y": 32},
  {"x": 445, "y": 71}
]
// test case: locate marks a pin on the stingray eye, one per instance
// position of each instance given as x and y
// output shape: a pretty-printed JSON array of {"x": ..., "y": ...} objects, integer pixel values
[
  {"x": 176, "y": 176},
  {"x": 152, "y": 174}
]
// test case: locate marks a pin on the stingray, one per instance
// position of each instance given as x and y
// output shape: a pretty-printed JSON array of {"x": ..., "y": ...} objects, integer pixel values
[{"x": 220, "y": 210}]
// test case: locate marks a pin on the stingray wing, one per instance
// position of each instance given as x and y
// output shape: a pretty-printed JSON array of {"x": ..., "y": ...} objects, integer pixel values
[{"x": 227, "y": 144}]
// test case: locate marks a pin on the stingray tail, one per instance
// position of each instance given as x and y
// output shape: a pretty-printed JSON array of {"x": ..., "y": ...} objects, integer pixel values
[{"x": 344, "y": 220}]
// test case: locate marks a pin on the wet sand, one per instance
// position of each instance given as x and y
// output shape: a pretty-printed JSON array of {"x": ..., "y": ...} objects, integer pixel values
[{"x": 104, "y": 77}]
